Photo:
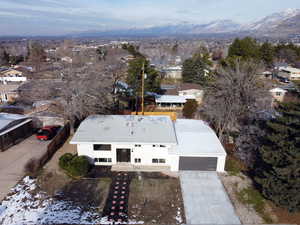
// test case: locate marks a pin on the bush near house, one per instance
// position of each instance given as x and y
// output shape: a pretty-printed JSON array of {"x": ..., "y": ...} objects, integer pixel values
[
  {"x": 74, "y": 165},
  {"x": 190, "y": 108}
]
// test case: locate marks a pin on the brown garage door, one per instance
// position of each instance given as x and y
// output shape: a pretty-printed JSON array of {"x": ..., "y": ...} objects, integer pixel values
[{"x": 198, "y": 163}]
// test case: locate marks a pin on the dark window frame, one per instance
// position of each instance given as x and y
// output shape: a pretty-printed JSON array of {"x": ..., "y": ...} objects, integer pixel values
[
  {"x": 102, "y": 147},
  {"x": 137, "y": 160}
]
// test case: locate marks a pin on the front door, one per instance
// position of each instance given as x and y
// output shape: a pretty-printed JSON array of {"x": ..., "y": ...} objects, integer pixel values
[{"x": 123, "y": 155}]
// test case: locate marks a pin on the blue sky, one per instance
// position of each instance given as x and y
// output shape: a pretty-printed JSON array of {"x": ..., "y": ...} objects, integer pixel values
[{"x": 52, "y": 17}]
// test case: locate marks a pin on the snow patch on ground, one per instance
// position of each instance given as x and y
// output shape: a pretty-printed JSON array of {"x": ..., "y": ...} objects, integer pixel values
[{"x": 27, "y": 205}]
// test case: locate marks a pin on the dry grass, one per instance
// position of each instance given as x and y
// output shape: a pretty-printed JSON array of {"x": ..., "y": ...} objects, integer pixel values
[
  {"x": 285, "y": 217},
  {"x": 156, "y": 201},
  {"x": 233, "y": 186}
]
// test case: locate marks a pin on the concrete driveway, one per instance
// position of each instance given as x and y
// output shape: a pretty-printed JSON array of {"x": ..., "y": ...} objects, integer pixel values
[
  {"x": 13, "y": 160},
  {"x": 205, "y": 199}
]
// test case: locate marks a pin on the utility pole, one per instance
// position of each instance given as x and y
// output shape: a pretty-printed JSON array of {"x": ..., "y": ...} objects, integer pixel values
[{"x": 143, "y": 88}]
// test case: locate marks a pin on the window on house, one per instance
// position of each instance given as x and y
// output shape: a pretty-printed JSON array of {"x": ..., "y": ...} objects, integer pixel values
[
  {"x": 102, "y": 147},
  {"x": 162, "y": 146},
  {"x": 96, "y": 160},
  {"x": 103, "y": 160},
  {"x": 278, "y": 94},
  {"x": 137, "y": 160},
  {"x": 154, "y": 160},
  {"x": 138, "y": 145},
  {"x": 162, "y": 161},
  {"x": 155, "y": 146},
  {"x": 158, "y": 161}
]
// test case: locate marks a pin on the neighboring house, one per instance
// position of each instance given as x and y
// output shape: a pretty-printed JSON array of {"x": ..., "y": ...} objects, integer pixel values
[
  {"x": 292, "y": 73},
  {"x": 185, "y": 89},
  {"x": 173, "y": 72},
  {"x": 154, "y": 141},
  {"x": 278, "y": 94},
  {"x": 196, "y": 93},
  {"x": 67, "y": 59},
  {"x": 24, "y": 69},
  {"x": 13, "y": 129},
  {"x": 8, "y": 92},
  {"x": 173, "y": 102},
  {"x": 12, "y": 75}
]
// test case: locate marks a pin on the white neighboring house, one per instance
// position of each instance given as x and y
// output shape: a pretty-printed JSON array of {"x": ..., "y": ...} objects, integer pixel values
[
  {"x": 172, "y": 101},
  {"x": 154, "y": 141},
  {"x": 196, "y": 93},
  {"x": 173, "y": 72},
  {"x": 293, "y": 73},
  {"x": 11, "y": 75},
  {"x": 278, "y": 94},
  {"x": 67, "y": 59}
]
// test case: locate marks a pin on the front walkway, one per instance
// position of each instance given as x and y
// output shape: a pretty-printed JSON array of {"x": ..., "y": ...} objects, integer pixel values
[{"x": 205, "y": 199}]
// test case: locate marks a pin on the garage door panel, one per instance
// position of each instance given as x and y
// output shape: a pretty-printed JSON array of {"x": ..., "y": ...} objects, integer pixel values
[{"x": 198, "y": 163}]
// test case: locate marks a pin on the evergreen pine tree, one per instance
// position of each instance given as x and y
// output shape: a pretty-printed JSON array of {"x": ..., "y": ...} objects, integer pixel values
[
  {"x": 278, "y": 167},
  {"x": 197, "y": 69}
]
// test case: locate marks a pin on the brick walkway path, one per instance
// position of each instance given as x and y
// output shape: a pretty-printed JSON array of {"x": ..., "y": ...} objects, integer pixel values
[{"x": 116, "y": 207}]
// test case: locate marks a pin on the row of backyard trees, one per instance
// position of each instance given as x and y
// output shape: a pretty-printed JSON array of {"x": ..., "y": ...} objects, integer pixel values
[{"x": 249, "y": 48}]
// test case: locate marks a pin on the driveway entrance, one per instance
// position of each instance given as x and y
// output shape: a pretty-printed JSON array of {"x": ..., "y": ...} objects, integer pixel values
[{"x": 205, "y": 199}]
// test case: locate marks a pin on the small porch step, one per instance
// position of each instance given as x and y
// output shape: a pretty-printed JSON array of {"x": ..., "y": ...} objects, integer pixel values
[{"x": 134, "y": 168}]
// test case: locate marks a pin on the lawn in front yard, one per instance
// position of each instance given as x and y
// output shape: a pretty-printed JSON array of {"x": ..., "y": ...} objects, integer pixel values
[{"x": 156, "y": 200}]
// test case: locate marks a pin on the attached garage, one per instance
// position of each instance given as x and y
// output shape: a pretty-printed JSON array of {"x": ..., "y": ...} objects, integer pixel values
[
  {"x": 198, "y": 163},
  {"x": 198, "y": 147}
]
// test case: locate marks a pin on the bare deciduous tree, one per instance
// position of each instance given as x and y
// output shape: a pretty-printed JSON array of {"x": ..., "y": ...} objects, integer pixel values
[{"x": 235, "y": 97}]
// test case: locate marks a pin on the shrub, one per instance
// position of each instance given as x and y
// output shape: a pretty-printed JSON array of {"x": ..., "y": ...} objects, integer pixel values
[
  {"x": 74, "y": 165},
  {"x": 31, "y": 167},
  {"x": 190, "y": 108},
  {"x": 79, "y": 166},
  {"x": 65, "y": 160}
]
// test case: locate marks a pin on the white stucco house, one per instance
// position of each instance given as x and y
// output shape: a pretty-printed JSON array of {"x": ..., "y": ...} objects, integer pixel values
[
  {"x": 278, "y": 94},
  {"x": 150, "y": 141}
]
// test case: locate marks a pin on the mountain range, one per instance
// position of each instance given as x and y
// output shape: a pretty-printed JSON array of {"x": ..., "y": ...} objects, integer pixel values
[{"x": 280, "y": 24}]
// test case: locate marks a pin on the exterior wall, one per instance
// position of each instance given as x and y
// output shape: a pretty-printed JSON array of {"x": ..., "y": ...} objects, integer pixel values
[
  {"x": 8, "y": 97},
  {"x": 221, "y": 163},
  {"x": 146, "y": 153},
  {"x": 174, "y": 74},
  {"x": 278, "y": 97},
  {"x": 13, "y": 79},
  {"x": 170, "y": 106},
  {"x": 174, "y": 162}
]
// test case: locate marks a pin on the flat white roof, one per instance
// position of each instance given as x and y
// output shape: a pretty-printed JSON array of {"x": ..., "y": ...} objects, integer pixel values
[
  {"x": 196, "y": 138},
  {"x": 278, "y": 89},
  {"x": 170, "y": 99},
  {"x": 290, "y": 69},
  {"x": 133, "y": 129}
]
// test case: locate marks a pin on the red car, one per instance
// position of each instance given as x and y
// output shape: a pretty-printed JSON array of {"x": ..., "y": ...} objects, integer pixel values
[{"x": 47, "y": 133}]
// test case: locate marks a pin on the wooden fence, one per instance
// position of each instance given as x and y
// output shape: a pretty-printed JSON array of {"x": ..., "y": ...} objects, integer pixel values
[{"x": 55, "y": 144}]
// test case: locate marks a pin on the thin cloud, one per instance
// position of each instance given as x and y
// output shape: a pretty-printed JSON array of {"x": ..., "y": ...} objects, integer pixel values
[{"x": 61, "y": 15}]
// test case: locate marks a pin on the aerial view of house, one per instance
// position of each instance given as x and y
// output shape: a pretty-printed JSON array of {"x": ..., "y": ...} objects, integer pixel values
[{"x": 150, "y": 141}]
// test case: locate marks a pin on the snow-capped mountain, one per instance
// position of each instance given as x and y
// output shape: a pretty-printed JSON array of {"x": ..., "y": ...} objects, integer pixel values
[
  {"x": 272, "y": 21},
  {"x": 277, "y": 24}
]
